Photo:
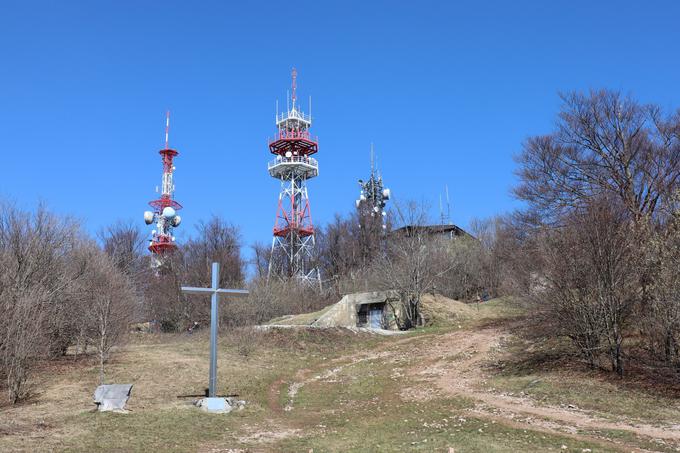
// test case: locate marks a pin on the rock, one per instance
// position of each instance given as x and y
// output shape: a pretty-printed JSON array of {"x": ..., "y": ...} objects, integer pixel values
[{"x": 112, "y": 397}]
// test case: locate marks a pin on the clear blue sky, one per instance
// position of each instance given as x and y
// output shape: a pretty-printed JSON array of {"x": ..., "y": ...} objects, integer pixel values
[{"x": 446, "y": 90}]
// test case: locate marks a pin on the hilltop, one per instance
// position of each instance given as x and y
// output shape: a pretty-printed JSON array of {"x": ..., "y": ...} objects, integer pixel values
[{"x": 469, "y": 384}]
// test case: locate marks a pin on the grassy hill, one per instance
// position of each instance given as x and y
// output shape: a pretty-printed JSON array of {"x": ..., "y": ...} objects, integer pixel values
[{"x": 466, "y": 383}]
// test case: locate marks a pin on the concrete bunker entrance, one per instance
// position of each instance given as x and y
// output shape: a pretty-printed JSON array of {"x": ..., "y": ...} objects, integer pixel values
[{"x": 372, "y": 315}]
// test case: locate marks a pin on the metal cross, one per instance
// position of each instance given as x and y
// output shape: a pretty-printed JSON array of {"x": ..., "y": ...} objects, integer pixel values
[{"x": 215, "y": 291}]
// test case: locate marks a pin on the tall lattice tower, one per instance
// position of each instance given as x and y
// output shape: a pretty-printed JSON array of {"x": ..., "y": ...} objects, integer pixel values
[
  {"x": 165, "y": 208},
  {"x": 293, "y": 242},
  {"x": 373, "y": 197}
]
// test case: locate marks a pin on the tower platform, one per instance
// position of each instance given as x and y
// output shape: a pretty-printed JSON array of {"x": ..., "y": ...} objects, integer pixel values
[{"x": 299, "y": 167}]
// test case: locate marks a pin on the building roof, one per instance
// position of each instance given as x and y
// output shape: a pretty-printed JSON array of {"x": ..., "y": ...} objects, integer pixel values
[{"x": 450, "y": 230}]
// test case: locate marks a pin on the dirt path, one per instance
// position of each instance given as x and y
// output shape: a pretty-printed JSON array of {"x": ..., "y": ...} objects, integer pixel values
[
  {"x": 452, "y": 365},
  {"x": 455, "y": 367}
]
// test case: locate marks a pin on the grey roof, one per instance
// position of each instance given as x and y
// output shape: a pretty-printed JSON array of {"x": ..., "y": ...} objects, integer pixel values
[{"x": 435, "y": 229}]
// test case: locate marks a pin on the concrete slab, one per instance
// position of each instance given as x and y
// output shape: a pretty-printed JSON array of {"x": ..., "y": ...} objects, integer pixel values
[
  {"x": 112, "y": 397},
  {"x": 215, "y": 405}
]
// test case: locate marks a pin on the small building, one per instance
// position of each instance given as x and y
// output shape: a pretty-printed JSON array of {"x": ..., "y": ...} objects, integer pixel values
[
  {"x": 449, "y": 231},
  {"x": 373, "y": 309}
]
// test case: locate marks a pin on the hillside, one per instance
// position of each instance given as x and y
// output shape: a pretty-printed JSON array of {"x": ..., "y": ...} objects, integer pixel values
[{"x": 470, "y": 386}]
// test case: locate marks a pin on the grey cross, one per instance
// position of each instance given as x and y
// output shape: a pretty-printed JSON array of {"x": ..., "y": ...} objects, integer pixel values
[{"x": 215, "y": 291}]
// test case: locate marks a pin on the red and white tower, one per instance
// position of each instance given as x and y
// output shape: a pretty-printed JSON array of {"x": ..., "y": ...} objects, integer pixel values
[
  {"x": 293, "y": 241},
  {"x": 165, "y": 208}
]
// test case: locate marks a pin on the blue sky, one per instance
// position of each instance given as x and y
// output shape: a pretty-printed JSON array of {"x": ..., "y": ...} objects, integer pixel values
[{"x": 447, "y": 91}]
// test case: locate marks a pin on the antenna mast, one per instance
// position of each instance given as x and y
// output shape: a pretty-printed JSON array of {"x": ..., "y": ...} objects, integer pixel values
[
  {"x": 441, "y": 210},
  {"x": 448, "y": 205},
  {"x": 167, "y": 128},
  {"x": 293, "y": 86}
]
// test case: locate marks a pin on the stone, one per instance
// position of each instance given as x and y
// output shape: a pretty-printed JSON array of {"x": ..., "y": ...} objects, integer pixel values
[{"x": 112, "y": 397}]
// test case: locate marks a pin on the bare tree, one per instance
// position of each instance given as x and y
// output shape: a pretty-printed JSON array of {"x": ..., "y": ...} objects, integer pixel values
[
  {"x": 109, "y": 300},
  {"x": 605, "y": 145},
  {"x": 589, "y": 285},
  {"x": 462, "y": 267},
  {"x": 261, "y": 256},
  {"x": 660, "y": 314},
  {"x": 411, "y": 263},
  {"x": 35, "y": 280},
  {"x": 124, "y": 243},
  {"x": 215, "y": 240}
]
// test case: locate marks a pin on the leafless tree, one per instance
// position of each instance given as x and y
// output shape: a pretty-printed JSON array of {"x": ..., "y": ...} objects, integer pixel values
[
  {"x": 215, "y": 241},
  {"x": 462, "y": 265},
  {"x": 659, "y": 316},
  {"x": 589, "y": 285},
  {"x": 35, "y": 280},
  {"x": 411, "y": 263},
  {"x": 124, "y": 243},
  {"x": 108, "y": 301},
  {"x": 261, "y": 258},
  {"x": 605, "y": 145}
]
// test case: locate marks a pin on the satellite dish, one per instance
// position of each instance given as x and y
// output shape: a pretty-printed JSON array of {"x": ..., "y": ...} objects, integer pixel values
[
  {"x": 168, "y": 212},
  {"x": 176, "y": 221},
  {"x": 148, "y": 217},
  {"x": 386, "y": 194},
  {"x": 289, "y": 154}
]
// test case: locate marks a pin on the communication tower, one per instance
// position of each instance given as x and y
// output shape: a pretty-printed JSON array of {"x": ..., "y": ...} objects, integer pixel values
[
  {"x": 373, "y": 196},
  {"x": 165, "y": 208},
  {"x": 293, "y": 234}
]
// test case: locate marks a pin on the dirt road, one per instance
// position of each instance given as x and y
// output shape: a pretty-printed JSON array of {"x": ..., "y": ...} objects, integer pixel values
[{"x": 453, "y": 364}]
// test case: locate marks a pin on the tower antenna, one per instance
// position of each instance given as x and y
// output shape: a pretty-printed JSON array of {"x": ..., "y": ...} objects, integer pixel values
[
  {"x": 293, "y": 86},
  {"x": 167, "y": 128},
  {"x": 441, "y": 209},
  {"x": 448, "y": 204}
]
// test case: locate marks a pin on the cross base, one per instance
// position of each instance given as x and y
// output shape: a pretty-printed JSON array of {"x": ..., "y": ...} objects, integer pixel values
[{"x": 215, "y": 405}]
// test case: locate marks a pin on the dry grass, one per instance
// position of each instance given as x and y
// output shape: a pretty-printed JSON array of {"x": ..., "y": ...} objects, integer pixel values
[
  {"x": 327, "y": 390},
  {"x": 442, "y": 311},
  {"x": 304, "y": 319}
]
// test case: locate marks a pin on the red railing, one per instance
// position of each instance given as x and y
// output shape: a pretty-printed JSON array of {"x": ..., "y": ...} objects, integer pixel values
[{"x": 293, "y": 135}]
